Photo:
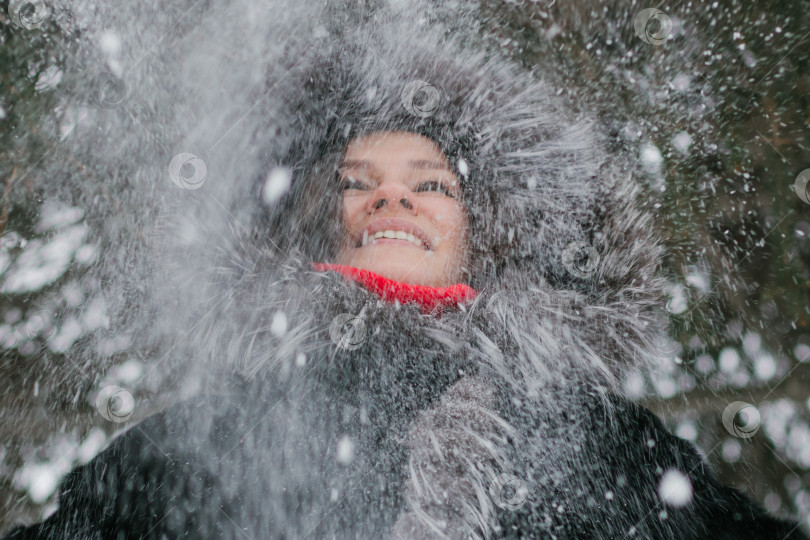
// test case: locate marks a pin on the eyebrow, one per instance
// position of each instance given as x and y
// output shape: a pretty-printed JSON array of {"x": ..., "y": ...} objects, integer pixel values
[{"x": 415, "y": 164}]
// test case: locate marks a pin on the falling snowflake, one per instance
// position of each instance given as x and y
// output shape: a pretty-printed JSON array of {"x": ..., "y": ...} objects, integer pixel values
[
  {"x": 675, "y": 488},
  {"x": 345, "y": 450}
]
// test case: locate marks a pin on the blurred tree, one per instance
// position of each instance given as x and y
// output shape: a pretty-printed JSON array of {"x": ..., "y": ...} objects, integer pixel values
[{"x": 47, "y": 424}]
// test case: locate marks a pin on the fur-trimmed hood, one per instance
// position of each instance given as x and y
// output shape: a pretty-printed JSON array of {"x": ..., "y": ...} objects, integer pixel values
[
  {"x": 559, "y": 240},
  {"x": 562, "y": 259},
  {"x": 561, "y": 255}
]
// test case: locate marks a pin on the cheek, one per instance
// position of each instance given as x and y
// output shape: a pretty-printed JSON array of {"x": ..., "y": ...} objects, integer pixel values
[
  {"x": 449, "y": 219},
  {"x": 352, "y": 210}
]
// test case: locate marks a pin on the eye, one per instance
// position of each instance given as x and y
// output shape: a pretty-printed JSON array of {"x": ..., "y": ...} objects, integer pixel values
[
  {"x": 350, "y": 183},
  {"x": 435, "y": 185}
]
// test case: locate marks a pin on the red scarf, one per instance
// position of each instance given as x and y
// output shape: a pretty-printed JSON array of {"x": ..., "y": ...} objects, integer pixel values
[{"x": 426, "y": 296}]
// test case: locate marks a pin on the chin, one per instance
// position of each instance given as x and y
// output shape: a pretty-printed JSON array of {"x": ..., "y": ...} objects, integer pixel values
[
  {"x": 397, "y": 269},
  {"x": 406, "y": 266},
  {"x": 405, "y": 275}
]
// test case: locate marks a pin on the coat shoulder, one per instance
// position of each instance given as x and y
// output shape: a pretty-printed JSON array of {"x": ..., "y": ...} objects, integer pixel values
[{"x": 679, "y": 485}]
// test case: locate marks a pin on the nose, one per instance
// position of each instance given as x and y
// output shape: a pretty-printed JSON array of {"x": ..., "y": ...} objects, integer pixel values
[{"x": 392, "y": 193}]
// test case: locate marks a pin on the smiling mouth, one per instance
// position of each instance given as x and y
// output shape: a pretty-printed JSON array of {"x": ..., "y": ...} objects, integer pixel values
[{"x": 391, "y": 237}]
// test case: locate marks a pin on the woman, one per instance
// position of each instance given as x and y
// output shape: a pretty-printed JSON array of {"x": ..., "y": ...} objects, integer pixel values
[{"x": 425, "y": 335}]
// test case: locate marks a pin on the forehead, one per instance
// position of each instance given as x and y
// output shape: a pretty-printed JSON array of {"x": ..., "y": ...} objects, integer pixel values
[{"x": 393, "y": 147}]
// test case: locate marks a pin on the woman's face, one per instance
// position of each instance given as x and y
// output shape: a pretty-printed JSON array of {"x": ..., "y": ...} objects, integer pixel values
[{"x": 400, "y": 184}]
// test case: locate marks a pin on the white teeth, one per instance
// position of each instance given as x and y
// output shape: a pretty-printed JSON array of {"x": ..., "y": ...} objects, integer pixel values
[{"x": 398, "y": 235}]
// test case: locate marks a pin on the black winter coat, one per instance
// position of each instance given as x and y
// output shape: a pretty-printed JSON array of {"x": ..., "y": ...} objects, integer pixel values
[{"x": 261, "y": 463}]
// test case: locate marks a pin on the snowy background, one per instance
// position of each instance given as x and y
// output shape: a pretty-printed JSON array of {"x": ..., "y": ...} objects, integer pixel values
[{"x": 713, "y": 97}]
